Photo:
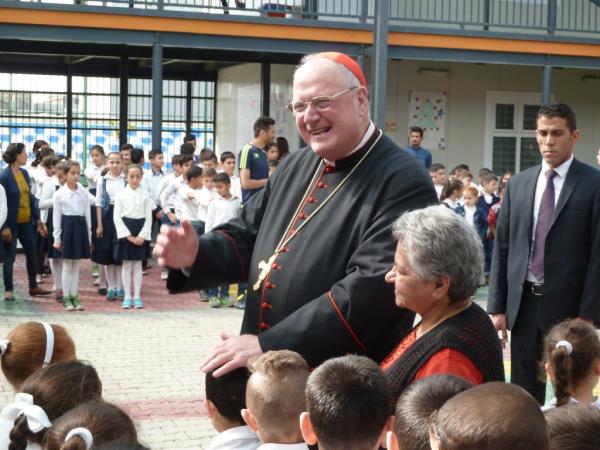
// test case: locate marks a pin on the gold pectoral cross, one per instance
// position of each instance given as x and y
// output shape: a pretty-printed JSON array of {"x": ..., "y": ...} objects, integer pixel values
[{"x": 264, "y": 268}]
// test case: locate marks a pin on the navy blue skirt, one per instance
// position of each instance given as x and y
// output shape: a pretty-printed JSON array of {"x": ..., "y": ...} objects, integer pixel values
[
  {"x": 125, "y": 250},
  {"x": 75, "y": 239},
  {"x": 52, "y": 252},
  {"x": 102, "y": 252}
]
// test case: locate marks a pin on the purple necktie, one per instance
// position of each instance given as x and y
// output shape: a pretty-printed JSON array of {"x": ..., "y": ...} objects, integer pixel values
[{"x": 543, "y": 224}]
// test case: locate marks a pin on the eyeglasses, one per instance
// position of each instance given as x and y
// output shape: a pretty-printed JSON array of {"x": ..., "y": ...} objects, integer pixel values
[{"x": 319, "y": 103}]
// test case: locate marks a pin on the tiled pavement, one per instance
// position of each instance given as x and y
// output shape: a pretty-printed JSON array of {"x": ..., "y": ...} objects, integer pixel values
[{"x": 148, "y": 360}]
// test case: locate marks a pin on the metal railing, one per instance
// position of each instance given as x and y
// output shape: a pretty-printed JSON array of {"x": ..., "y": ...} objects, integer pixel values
[{"x": 564, "y": 17}]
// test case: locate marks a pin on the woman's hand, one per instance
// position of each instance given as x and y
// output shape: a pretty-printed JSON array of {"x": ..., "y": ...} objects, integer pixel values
[
  {"x": 7, "y": 235},
  {"x": 42, "y": 229}
]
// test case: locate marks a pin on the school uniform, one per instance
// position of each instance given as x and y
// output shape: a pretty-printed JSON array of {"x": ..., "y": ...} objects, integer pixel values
[
  {"x": 238, "y": 438},
  {"x": 46, "y": 203},
  {"x": 204, "y": 196},
  {"x": 106, "y": 193},
  {"x": 132, "y": 217},
  {"x": 189, "y": 208},
  {"x": 93, "y": 174},
  {"x": 72, "y": 222},
  {"x": 170, "y": 198}
]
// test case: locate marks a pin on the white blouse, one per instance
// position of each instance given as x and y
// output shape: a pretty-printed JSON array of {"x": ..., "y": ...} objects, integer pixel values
[
  {"x": 133, "y": 204},
  {"x": 70, "y": 203},
  {"x": 93, "y": 175},
  {"x": 114, "y": 185}
]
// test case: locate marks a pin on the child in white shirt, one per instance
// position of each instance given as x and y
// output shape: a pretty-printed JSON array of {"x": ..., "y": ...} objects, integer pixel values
[
  {"x": 189, "y": 194},
  {"x": 207, "y": 193},
  {"x": 170, "y": 198},
  {"x": 228, "y": 166}
]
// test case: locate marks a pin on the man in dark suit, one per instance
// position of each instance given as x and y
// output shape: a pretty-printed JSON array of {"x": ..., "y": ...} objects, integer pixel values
[{"x": 546, "y": 262}]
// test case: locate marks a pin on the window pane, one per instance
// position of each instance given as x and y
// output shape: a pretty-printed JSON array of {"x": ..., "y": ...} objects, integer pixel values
[
  {"x": 504, "y": 152},
  {"x": 530, "y": 154},
  {"x": 505, "y": 116},
  {"x": 530, "y": 116}
]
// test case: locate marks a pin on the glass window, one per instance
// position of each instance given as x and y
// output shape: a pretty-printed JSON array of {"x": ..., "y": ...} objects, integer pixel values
[
  {"x": 505, "y": 116},
  {"x": 530, "y": 153},
  {"x": 530, "y": 116},
  {"x": 504, "y": 151}
]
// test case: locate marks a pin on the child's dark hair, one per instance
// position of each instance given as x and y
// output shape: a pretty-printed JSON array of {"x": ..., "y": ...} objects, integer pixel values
[
  {"x": 12, "y": 151},
  {"x": 210, "y": 173},
  {"x": 176, "y": 160},
  {"x": 183, "y": 159},
  {"x": 227, "y": 155},
  {"x": 488, "y": 178},
  {"x": 56, "y": 389},
  {"x": 208, "y": 156},
  {"x": 43, "y": 153},
  {"x": 348, "y": 401},
  {"x": 570, "y": 348},
  {"x": 228, "y": 393},
  {"x": 97, "y": 148},
  {"x": 126, "y": 147},
  {"x": 39, "y": 144},
  {"x": 205, "y": 151},
  {"x": 189, "y": 137},
  {"x": 460, "y": 168},
  {"x": 105, "y": 422},
  {"x": 154, "y": 153},
  {"x": 283, "y": 146},
  {"x": 450, "y": 187},
  {"x": 120, "y": 446},
  {"x": 68, "y": 165},
  {"x": 418, "y": 402},
  {"x": 134, "y": 167},
  {"x": 50, "y": 161},
  {"x": 193, "y": 172},
  {"x": 275, "y": 392},
  {"x": 490, "y": 416},
  {"x": 484, "y": 171},
  {"x": 436, "y": 166},
  {"x": 116, "y": 154},
  {"x": 222, "y": 178},
  {"x": 574, "y": 426},
  {"x": 26, "y": 349},
  {"x": 274, "y": 163},
  {"x": 186, "y": 149},
  {"x": 137, "y": 155}
]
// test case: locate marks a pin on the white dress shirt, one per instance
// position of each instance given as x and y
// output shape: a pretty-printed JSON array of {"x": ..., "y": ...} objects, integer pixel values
[
  {"x": 133, "y": 204},
  {"x": 238, "y": 438},
  {"x": 189, "y": 206},
  {"x": 236, "y": 186},
  {"x": 3, "y": 206},
  {"x": 170, "y": 197},
  {"x": 114, "y": 185},
  {"x": 93, "y": 173},
  {"x": 221, "y": 210},
  {"x": 558, "y": 181},
  {"x": 151, "y": 184},
  {"x": 47, "y": 197},
  {"x": 204, "y": 197},
  {"x": 70, "y": 203}
]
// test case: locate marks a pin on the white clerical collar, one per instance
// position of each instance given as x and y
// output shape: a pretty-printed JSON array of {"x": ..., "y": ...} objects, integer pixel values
[{"x": 361, "y": 144}]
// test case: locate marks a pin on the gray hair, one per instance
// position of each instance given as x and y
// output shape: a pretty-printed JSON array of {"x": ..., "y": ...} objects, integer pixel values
[
  {"x": 438, "y": 242},
  {"x": 350, "y": 78}
]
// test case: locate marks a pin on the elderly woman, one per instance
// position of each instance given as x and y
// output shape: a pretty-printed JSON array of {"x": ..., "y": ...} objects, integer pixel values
[
  {"x": 22, "y": 218},
  {"x": 437, "y": 267}
]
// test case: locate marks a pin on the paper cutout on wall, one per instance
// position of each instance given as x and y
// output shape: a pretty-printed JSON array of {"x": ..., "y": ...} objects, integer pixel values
[{"x": 428, "y": 111}]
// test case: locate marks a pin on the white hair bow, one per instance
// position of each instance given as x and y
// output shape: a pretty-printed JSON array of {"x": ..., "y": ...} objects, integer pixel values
[
  {"x": 84, "y": 434},
  {"x": 4, "y": 346},
  {"x": 37, "y": 419}
]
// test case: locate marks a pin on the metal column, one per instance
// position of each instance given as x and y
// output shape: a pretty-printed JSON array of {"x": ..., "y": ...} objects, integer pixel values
[
  {"x": 157, "y": 79},
  {"x": 380, "y": 57},
  {"x": 265, "y": 89},
  {"x": 70, "y": 116},
  {"x": 123, "y": 98},
  {"x": 546, "y": 84}
]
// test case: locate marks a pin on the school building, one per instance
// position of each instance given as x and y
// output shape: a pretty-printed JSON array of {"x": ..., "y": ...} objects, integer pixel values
[{"x": 471, "y": 72}]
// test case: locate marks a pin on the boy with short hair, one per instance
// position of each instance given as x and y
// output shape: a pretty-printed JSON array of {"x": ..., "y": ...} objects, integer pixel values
[
  {"x": 437, "y": 171},
  {"x": 125, "y": 151},
  {"x": 275, "y": 398},
  {"x": 188, "y": 193},
  {"x": 347, "y": 405},
  {"x": 221, "y": 209},
  {"x": 228, "y": 167},
  {"x": 574, "y": 426},
  {"x": 225, "y": 399},
  {"x": 415, "y": 406},
  {"x": 170, "y": 198},
  {"x": 486, "y": 200},
  {"x": 137, "y": 156},
  {"x": 208, "y": 160},
  {"x": 489, "y": 416}
]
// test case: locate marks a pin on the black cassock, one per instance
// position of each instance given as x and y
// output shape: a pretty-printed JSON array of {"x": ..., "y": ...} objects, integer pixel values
[{"x": 325, "y": 294}]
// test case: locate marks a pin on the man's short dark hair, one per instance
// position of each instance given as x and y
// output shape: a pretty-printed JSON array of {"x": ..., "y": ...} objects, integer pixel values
[
  {"x": 436, "y": 166},
  {"x": 574, "y": 426},
  {"x": 186, "y": 149},
  {"x": 137, "y": 154},
  {"x": 348, "y": 401},
  {"x": 222, "y": 177},
  {"x": 228, "y": 393},
  {"x": 193, "y": 172},
  {"x": 126, "y": 147},
  {"x": 154, "y": 153},
  {"x": 416, "y": 130},
  {"x": 189, "y": 138},
  {"x": 227, "y": 155},
  {"x": 560, "y": 110},
  {"x": 262, "y": 124},
  {"x": 418, "y": 402}
]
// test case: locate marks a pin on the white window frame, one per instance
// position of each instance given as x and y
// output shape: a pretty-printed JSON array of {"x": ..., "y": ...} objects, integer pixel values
[{"x": 518, "y": 99}]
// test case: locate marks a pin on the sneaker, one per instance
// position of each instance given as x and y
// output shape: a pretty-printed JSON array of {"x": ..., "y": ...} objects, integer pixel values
[
  {"x": 102, "y": 291},
  {"x": 203, "y": 296},
  {"x": 67, "y": 305},
  {"x": 126, "y": 303},
  {"x": 59, "y": 296},
  {"x": 240, "y": 302},
  {"x": 95, "y": 270},
  {"x": 111, "y": 296},
  {"x": 227, "y": 301},
  {"x": 214, "y": 302},
  {"x": 76, "y": 303},
  {"x": 119, "y": 294},
  {"x": 138, "y": 303},
  {"x": 144, "y": 272},
  {"x": 164, "y": 274},
  {"x": 38, "y": 278},
  {"x": 97, "y": 282}
]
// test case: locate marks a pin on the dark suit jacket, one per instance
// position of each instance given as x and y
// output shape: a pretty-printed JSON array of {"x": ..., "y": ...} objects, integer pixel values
[
  {"x": 7, "y": 179},
  {"x": 572, "y": 249}
]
